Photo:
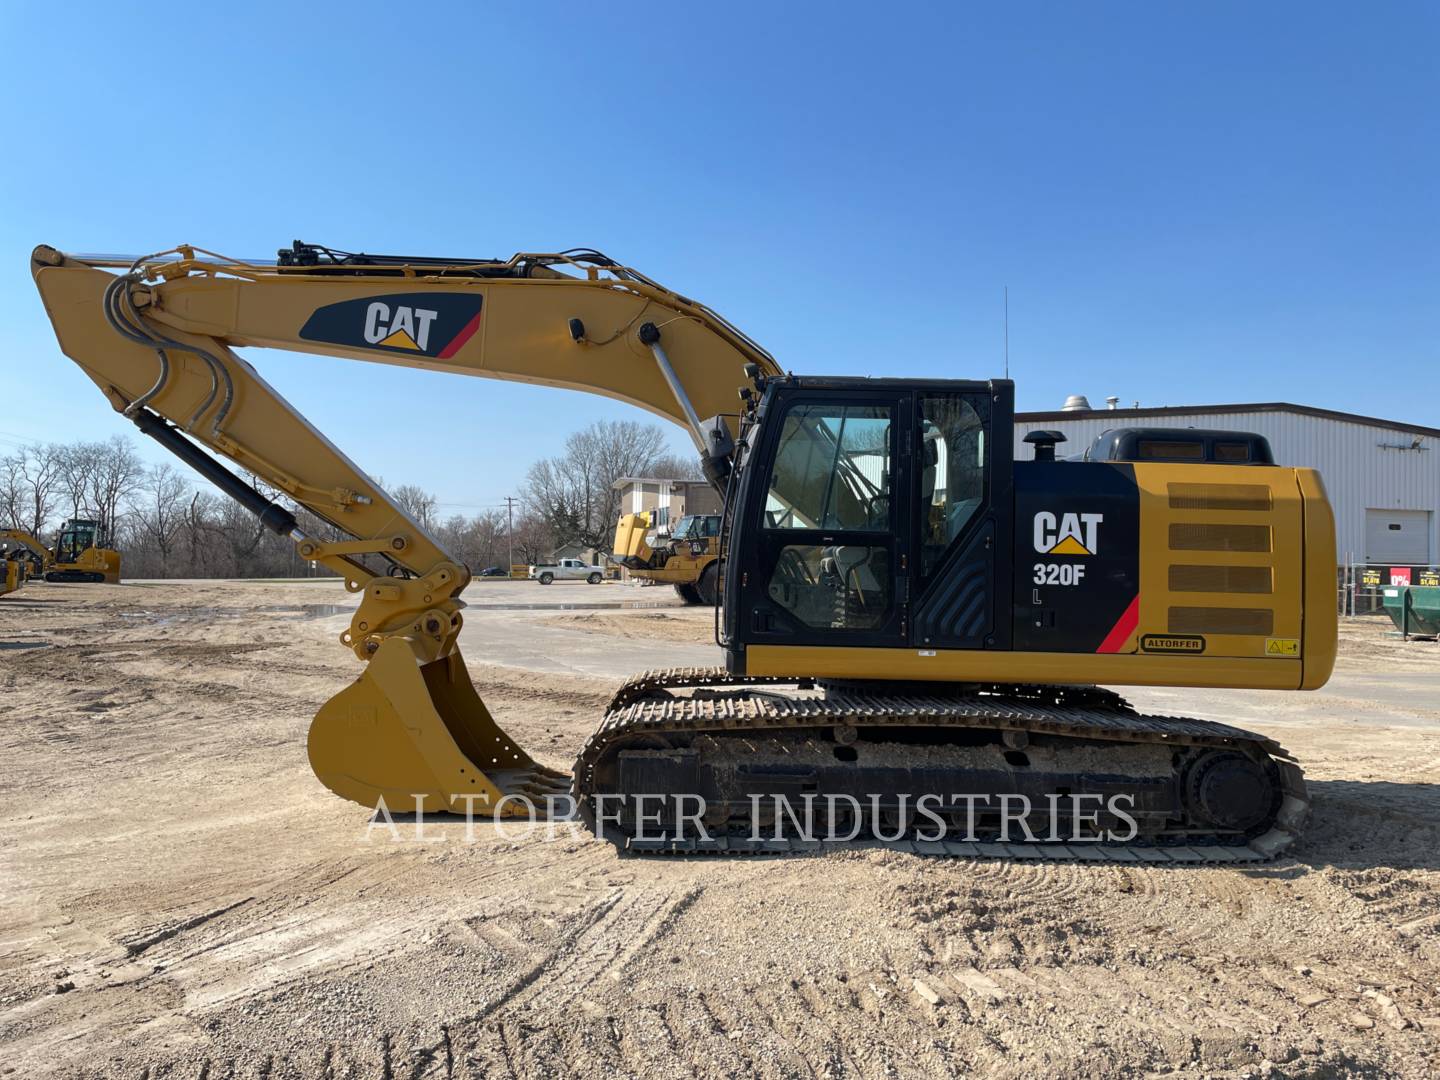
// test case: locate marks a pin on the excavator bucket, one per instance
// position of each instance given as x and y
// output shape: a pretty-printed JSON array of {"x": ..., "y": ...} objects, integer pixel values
[
  {"x": 418, "y": 736},
  {"x": 630, "y": 548}
]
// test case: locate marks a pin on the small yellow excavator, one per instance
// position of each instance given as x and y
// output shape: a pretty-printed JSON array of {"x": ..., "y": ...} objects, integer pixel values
[
  {"x": 80, "y": 553},
  {"x": 689, "y": 558},
  {"x": 910, "y": 615}
]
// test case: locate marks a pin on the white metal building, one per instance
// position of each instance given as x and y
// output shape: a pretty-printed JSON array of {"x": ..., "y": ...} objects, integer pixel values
[{"x": 1383, "y": 476}]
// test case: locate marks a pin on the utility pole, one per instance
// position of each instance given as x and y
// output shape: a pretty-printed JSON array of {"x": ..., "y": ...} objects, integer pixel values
[{"x": 510, "y": 533}]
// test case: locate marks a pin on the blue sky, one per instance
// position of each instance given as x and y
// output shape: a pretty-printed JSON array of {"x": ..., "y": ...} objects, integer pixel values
[{"x": 1189, "y": 203}]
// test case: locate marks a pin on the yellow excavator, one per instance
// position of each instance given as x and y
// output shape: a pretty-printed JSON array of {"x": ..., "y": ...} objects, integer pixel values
[
  {"x": 688, "y": 559},
  {"x": 915, "y": 624},
  {"x": 81, "y": 553}
]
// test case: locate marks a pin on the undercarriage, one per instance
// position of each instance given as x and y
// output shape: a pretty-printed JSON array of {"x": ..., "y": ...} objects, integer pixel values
[{"x": 695, "y": 761}]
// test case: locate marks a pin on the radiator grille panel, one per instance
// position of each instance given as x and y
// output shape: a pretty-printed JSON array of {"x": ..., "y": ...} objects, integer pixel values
[
  {"x": 1190, "y": 536},
  {"x": 1221, "y": 579},
  {"x": 1219, "y": 497},
  {"x": 1258, "y": 622}
]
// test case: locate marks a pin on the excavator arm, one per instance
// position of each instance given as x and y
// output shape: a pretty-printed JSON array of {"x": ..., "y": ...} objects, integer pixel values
[
  {"x": 157, "y": 335},
  {"x": 37, "y": 547}
]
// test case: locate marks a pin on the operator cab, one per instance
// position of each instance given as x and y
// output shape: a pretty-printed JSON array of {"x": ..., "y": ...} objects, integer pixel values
[
  {"x": 77, "y": 536},
  {"x": 875, "y": 512},
  {"x": 695, "y": 534},
  {"x": 696, "y": 527}
]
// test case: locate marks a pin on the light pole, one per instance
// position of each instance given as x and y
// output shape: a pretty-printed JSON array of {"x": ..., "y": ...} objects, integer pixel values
[{"x": 510, "y": 534}]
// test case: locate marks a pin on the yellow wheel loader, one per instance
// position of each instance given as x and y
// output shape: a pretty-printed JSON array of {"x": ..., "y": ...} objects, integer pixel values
[
  {"x": 915, "y": 623},
  {"x": 689, "y": 558},
  {"x": 80, "y": 553}
]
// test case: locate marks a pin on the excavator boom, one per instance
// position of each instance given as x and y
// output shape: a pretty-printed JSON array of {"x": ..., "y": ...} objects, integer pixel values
[
  {"x": 36, "y": 547},
  {"x": 157, "y": 335}
]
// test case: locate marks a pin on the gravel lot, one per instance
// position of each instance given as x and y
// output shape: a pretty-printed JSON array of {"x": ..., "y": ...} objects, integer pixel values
[{"x": 180, "y": 898}]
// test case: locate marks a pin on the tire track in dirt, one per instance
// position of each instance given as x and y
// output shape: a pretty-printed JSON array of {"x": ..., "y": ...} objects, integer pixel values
[
  {"x": 602, "y": 942},
  {"x": 291, "y": 930},
  {"x": 808, "y": 1012},
  {"x": 666, "y": 1042}
]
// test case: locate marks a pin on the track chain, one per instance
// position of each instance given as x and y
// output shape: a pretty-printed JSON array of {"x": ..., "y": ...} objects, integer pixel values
[{"x": 644, "y": 705}]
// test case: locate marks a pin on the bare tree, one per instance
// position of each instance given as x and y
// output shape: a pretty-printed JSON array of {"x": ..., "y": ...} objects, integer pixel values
[
  {"x": 75, "y": 464},
  {"x": 533, "y": 539},
  {"x": 38, "y": 470},
  {"x": 554, "y": 500},
  {"x": 14, "y": 493},
  {"x": 245, "y": 539},
  {"x": 117, "y": 471},
  {"x": 574, "y": 494},
  {"x": 160, "y": 509},
  {"x": 478, "y": 542},
  {"x": 417, "y": 503},
  {"x": 677, "y": 467},
  {"x": 204, "y": 537},
  {"x": 489, "y": 536}
]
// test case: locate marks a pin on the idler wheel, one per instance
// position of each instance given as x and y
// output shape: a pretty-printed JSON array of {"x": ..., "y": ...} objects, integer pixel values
[{"x": 1229, "y": 790}]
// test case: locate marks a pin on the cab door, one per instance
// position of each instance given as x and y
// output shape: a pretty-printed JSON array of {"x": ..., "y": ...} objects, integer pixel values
[
  {"x": 829, "y": 511},
  {"x": 963, "y": 520}
]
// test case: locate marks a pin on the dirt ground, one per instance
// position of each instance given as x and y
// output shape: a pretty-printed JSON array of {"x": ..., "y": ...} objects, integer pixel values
[
  {"x": 683, "y": 624},
  {"x": 180, "y": 898}
]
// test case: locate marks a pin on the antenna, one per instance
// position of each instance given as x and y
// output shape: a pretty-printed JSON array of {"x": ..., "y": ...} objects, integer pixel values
[{"x": 1007, "y": 331}]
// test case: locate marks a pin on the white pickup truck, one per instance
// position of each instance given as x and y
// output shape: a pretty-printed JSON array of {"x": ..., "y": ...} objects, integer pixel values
[{"x": 567, "y": 570}]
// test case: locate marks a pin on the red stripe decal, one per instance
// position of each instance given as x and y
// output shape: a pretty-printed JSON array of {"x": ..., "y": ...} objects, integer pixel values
[
  {"x": 1123, "y": 628},
  {"x": 459, "y": 339}
]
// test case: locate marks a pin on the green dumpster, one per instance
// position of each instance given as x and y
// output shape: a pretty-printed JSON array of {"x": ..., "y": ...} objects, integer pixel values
[{"x": 1415, "y": 609}]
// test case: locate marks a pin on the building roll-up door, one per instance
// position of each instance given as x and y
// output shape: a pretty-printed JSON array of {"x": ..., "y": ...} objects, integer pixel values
[{"x": 1397, "y": 536}]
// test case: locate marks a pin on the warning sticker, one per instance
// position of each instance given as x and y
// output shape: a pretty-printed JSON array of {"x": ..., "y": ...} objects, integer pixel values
[{"x": 1282, "y": 646}]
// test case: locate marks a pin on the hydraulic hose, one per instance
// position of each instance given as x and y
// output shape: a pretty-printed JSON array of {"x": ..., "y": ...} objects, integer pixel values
[{"x": 120, "y": 313}]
